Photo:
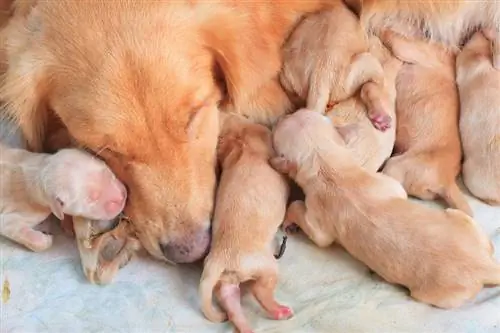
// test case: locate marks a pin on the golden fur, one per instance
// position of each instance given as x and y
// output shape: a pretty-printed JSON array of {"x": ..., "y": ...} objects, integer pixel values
[
  {"x": 140, "y": 83},
  {"x": 479, "y": 87},
  {"x": 427, "y": 135},
  {"x": 369, "y": 146},
  {"x": 331, "y": 66},
  {"x": 250, "y": 206},
  {"x": 441, "y": 256}
]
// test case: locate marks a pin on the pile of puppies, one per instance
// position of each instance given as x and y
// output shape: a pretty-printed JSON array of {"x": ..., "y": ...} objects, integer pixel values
[
  {"x": 367, "y": 102},
  {"x": 382, "y": 95}
]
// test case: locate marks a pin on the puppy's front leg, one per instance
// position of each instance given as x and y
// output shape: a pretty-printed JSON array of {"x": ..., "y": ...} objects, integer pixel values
[
  {"x": 297, "y": 213},
  {"x": 23, "y": 233}
]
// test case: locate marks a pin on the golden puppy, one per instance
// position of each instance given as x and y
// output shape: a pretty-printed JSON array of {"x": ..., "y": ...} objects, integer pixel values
[
  {"x": 479, "y": 88},
  {"x": 441, "y": 256},
  {"x": 427, "y": 136},
  {"x": 250, "y": 206},
  {"x": 333, "y": 64},
  {"x": 370, "y": 147}
]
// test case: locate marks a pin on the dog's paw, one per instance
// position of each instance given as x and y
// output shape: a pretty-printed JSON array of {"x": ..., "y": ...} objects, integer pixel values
[
  {"x": 282, "y": 313},
  {"x": 381, "y": 121},
  {"x": 290, "y": 227}
]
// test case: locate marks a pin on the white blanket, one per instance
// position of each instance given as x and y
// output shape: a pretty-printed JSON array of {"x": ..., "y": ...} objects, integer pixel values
[{"x": 328, "y": 290}]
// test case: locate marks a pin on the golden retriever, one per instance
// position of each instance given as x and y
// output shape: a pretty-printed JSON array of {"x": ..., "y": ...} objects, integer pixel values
[
  {"x": 479, "y": 87},
  {"x": 250, "y": 206},
  {"x": 441, "y": 256},
  {"x": 427, "y": 136},
  {"x": 326, "y": 60},
  {"x": 140, "y": 83},
  {"x": 370, "y": 147}
]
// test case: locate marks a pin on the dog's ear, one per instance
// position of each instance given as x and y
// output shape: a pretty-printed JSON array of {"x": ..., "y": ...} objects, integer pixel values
[
  {"x": 23, "y": 90},
  {"x": 56, "y": 206},
  {"x": 244, "y": 58}
]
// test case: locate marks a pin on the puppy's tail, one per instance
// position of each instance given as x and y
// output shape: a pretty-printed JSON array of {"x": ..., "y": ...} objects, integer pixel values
[
  {"x": 455, "y": 198},
  {"x": 208, "y": 282}
]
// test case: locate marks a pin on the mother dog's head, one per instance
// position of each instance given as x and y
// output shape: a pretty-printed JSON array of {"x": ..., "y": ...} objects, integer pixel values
[{"x": 139, "y": 84}]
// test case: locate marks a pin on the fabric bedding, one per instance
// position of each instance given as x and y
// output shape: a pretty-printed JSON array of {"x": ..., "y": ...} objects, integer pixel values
[{"x": 328, "y": 290}]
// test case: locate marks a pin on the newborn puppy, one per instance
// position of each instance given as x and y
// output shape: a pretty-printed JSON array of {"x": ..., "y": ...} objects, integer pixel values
[
  {"x": 441, "y": 256},
  {"x": 427, "y": 136},
  {"x": 479, "y": 88},
  {"x": 370, "y": 147},
  {"x": 68, "y": 182},
  {"x": 326, "y": 60},
  {"x": 250, "y": 206}
]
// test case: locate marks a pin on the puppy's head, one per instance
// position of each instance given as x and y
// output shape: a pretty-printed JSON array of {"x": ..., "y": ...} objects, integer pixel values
[
  {"x": 476, "y": 51},
  {"x": 141, "y": 89},
  {"x": 241, "y": 136},
  {"x": 298, "y": 135},
  {"x": 80, "y": 185}
]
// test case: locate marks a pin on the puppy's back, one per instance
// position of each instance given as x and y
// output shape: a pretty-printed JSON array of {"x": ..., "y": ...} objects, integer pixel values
[{"x": 251, "y": 197}]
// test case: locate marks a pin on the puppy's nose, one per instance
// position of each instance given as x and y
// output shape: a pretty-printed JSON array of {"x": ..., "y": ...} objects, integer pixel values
[{"x": 188, "y": 249}]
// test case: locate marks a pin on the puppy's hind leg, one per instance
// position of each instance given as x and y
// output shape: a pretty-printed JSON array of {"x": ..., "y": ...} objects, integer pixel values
[
  {"x": 297, "y": 213},
  {"x": 263, "y": 290},
  {"x": 456, "y": 199},
  {"x": 229, "y": 297},
  {"x": 372, "y": 95}
]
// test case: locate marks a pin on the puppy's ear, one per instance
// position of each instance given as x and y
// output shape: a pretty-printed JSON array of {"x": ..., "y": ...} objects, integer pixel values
[
  {"x": 282, "y": 165},
  {"x": 24, "y": 89},
  {"x": 56, "y": 206},
  {"x": 243, "y": 61}
]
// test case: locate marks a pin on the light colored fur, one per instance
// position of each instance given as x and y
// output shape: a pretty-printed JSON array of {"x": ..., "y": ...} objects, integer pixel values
[
  {"x": 141, "y": 82},
  {"x": 370, "y": 147},
  {"x": 479, "y": 87},
  {"x": 326, "y": 60},
  {"x": 69, "y": 182},
  {"x": 427, "y": 135},
  {"x": 250, "y": 206},
  {"x": 441, "y": 256}
]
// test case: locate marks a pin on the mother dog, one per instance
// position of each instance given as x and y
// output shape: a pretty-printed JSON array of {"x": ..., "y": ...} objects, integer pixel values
[{"x": 140, "y": 83}]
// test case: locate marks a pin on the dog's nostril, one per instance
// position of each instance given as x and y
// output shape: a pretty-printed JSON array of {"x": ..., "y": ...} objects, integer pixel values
[{"x": 192, "y": 248}]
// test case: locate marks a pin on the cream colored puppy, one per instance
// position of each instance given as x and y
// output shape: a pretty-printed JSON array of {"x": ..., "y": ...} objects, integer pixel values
[
  {"x": 250, "y": 206},
  {"x": 326, "y": 60},
  {"x": 441, "y": 256},
  {"x": 479, "y": 87},
  {"x": 427, "y": 135},
  {"x": 68, "y": 182},
  {"x": 370, "y": 146}
]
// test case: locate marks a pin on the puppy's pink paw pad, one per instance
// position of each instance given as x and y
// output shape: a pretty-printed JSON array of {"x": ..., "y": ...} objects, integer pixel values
[
  {"x": 283, "y": 312},
  {"x": 381, "y": 121}
]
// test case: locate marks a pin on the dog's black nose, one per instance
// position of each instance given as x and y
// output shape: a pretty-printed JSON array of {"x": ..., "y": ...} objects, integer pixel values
[{"x": 190, "y": 248}]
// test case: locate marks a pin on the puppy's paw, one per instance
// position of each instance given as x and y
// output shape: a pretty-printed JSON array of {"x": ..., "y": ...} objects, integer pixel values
[
  {"x": 282, "y": 313},
  {"x": 290, "y": 227},
  {"x": 34, "y": 240},
  {"x": 381, "y": 120}
]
